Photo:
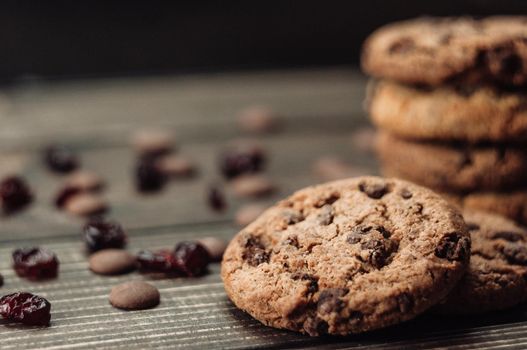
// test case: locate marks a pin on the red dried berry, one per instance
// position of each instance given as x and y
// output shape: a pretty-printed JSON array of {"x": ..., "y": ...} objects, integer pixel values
[
  {"x": 241, "y": 160},
  {"x": 26, "y": 308},
  {"x": 192, "y": 258},
  {"x": 14, "y": 194},
  {"x": 148, "y": 176},
  {"x": 99, "y": 234},
  {"x": 159, "y": 261},
  {"x": 35, "y": 263},
  {"x": 216, "y": 199},
  {"x": 60, "y": 159}
]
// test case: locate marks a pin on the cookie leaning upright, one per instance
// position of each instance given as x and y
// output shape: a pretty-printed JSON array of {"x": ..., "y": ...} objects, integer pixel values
[
  {"x": 434, "y": 51},
  {"x": 347, "y": 257},
  {"x": 496, "y": 277}
]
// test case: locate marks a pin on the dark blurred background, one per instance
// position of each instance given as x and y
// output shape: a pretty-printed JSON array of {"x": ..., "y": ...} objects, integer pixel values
[{"x": 63, "y": 39}]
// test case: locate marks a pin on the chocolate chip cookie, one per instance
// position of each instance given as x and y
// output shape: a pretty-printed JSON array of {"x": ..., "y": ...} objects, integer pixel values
[
  {"x": 347, "y": 256},
  {"x": 455, "y": 168},
  {"x": 511, "y": 204},
  {"x": 433, "y": 51},
  {"x": 497, "y": 274},
  {"x": 475, "y": 114}
]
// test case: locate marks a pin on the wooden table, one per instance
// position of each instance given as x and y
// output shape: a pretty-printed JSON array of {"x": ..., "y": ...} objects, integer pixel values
[{"x": 321, "y": 111}]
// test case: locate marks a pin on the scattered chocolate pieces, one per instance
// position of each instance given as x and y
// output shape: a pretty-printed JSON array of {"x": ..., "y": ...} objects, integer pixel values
[
  {"x": 86, "y": 204},
  {"x": 85, "y": 181},
  {"x": 153, "y": 142},
  {"x": 176, "y": 166},
  {"x": 329, "y": 168},
  {"x": 60, "y": 159},
  {"x": 252, "y": 186},
  {"x": 15, "y": 194},
  {"x": 215, "y": 246},
  {"x": 134, "y": 295},
  {"x": 258, "y": 119},
  {"x": 248, "y": 213},
  {"x": 112, "y": 262}
]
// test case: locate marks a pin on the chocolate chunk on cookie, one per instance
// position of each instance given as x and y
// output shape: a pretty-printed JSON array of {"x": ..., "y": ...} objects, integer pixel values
[
  {"x": 449, "y": 112},
  {"x": 496, "y": 276},
  {"x": 453, "y": 168},
  {"x": 347, "y": 257},
  {"x": 433, "y": 51}
]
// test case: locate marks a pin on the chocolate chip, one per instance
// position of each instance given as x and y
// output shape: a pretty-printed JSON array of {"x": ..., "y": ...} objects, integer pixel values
[
  {"x": 292, "y": 216},
  {"x": 402, "y": 45},
  {"x": 86, "y": 204},
  {"x": 406, "y": 302},
  {"x": 373, "y": 190},
  {"x": 292, "y": 240},
  {"x": 215, "y": 246},
  {"x": 471, "y": 226},
  {"x": 453, "y": 247},
  {"x": 312, "y": 286},
  {"x": 516, "y": 254},
  {"x": 112, "y": 262},
  {"x": 502, "y": 62},
  {"x": 315, "y": 326},
  {"x": 325, "y": 215},
  {"x": 254, "y": 253},
  {"x": 216, "y": 199},
  {"x": 380, "y": 251},
  {"x": 329, "y": 300},
  {"x": 406, "y": 194},
  {"x": 135, "y": 295},
  {"x": 465, "y": 90},
  {"x": 508, "y": 236}
]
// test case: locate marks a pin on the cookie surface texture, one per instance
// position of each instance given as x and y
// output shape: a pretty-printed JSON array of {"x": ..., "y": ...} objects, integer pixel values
[
  {"x": 434, "y": 51},
  {"x": 347, "y": 256}
]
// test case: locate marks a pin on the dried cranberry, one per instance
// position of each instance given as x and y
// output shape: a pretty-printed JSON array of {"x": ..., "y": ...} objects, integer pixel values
[
  {"x": 60, "y": 159},
  {"x": 99, "y": 234},
  {"x": 14, "y": 194},
  {"x": 65, "y": 194},
  {"x": 35, "y": 263},
  {"x": 148, "y": 176},
  {"x": 26, "y": 308},
  {"x": 192, "y": 258},
  {"x": 238, "y": 161},
  {"x": 159, "y": 261},
  {"x": 216, "y": 199}
]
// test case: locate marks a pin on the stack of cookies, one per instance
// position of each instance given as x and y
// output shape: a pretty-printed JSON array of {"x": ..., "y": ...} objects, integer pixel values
[{"x": 450, "y": 100}]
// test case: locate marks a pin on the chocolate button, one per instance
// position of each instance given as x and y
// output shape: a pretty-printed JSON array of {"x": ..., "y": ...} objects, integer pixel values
[
  {"x": 176, "y": 166},
  {"x": 153, "y": 142},
  {"x": 112, "y": 262},
  {"x": 252, "y": 186},
  {"x": 215, "y": 246},
  {"x": 134, "y": 295},
  {"x": 248, "y": 213},
  {"x": 257, "y": 119},
  {"x": 84, "y": 181},
  {"x": 85, "y": 204}
]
